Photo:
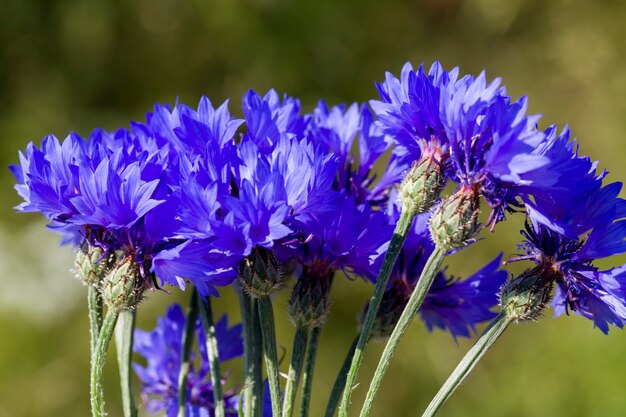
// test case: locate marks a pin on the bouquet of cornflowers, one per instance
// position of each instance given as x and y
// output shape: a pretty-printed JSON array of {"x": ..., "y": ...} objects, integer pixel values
[{"x": 191, "y": 198}]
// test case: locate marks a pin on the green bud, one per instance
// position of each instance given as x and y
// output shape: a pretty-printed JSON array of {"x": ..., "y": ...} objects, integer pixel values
[
  {"x": 259, "y": 273},
  {"x": 91, "y": 263},
  {"x": 308, "y": 305},
  {"x": 391, "y": 307},
  {"x": 421, "y": 187},
  {"x": 122, "y": 287},
  {"x": 525, "y": 296},
  {"x": 454, "y": 223}
]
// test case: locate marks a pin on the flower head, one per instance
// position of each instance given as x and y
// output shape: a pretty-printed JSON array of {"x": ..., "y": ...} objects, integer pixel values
[
  {"x": 350, "y": 238},
  {"x": 564, "y": 250},
  {"x": 225, "y": 206},
  {"x": 101, "y": 192}
]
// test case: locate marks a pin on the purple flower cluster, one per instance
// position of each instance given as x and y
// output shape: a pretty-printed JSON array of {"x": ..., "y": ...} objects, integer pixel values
[
  {"x": 488, "y": 145},
  {"x": 484, "y": 139},
  {"x": 189, "y": 193}
]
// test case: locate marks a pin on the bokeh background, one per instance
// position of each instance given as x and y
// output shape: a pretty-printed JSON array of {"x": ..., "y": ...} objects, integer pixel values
[{"x": 79, "y": 64}]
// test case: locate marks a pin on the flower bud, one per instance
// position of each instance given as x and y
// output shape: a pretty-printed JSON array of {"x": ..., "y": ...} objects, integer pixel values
[
  {"x": 259, "y": 273},
  {"x": 454, "y": 223},
  {"x": 123, "y": 285},
  {"x": 91, "y": 263},
  {"x": 525, "y": 296},
  {"x": 308, "y": 305},
  {"x": 421, "y": 187}
]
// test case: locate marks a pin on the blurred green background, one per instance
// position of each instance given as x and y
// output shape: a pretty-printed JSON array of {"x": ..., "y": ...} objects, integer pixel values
[{"x": 75, "y": 65}]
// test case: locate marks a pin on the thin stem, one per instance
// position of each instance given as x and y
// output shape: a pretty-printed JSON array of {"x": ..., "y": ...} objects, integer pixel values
[
  {"x": 257, "y": 360},
  {"x": 248, "y": 346},
  {"x": 206, "y": 315},
  {"x": 97, "y": 363},
  {"x": 340, "y": 381},
  {"x": 124, "y": 332},
  {"x": 268, "y": 332},
  {"x": 295, "y": 369},
  {"x": 94, "y": 304},
  {"x": 399, "y": 236},
  {"x": 484, "y": 342},
  {"x": 309, "y": 367},
  {"x": 422, "y": 287},
  {"x": 185, "y": 355}
]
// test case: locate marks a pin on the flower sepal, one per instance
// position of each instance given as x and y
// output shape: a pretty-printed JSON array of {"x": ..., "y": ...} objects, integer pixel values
[
  {"x": 454, "y": 223},
  {"x": 422, "y": 185},
  {"x": 260, "y": 273},
  {"x": 123, "y": 285},
  {"x": 524, "y": 297},
  {"x": 91, "y": 263}
]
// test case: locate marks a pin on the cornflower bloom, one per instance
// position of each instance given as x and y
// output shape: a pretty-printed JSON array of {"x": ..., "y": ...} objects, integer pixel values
[
  {"x": 565, "y": 248},
  {"x": 100, "y": 195},
  {"x": 487, "y": 142},
  {"x": 232, "y": 198}
]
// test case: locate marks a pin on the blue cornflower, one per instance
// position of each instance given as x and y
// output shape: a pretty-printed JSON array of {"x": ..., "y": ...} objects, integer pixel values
[
  {"x": 48, "y": 178},
  {"x": 295, "y": 173},
  {"x": 161, "y": 349},
  {"x": 487, "y": 143},
  {"x": 229, "y": 203},
  {"x": 102, "y": 192},
  {"x": 350, "y": 238},
  {"x": 335, "y": 130},
  {"x": 565, "y": 248}
]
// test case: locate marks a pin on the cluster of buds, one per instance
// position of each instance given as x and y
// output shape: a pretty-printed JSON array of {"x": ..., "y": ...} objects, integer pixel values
[
  {"x": 91, "y": 263},
  {"x": 115, "y": 274}
]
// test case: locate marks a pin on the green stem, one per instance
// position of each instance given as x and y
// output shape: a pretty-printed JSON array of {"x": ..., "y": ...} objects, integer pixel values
[
  {"x": 399, "y": 236},
  {"x": 295, "y": 370},
  {"x": 124, "y": 332},
  {"x": 422, "y": 287},
  {"x": 97, "y": 363},
  {"x": 309, "y": 367},
  {"x": 94, "y": 304},
  {"x": 206, "y": 315},
  {"x": 484, "y": 342},
  {"x": 257, "y": 360},
  {"x": 268, "y": 332},
  {"x": 185, "y": 356},
  {"x": 340, "y": 381},
  {"x": 248, "y": 345}
]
